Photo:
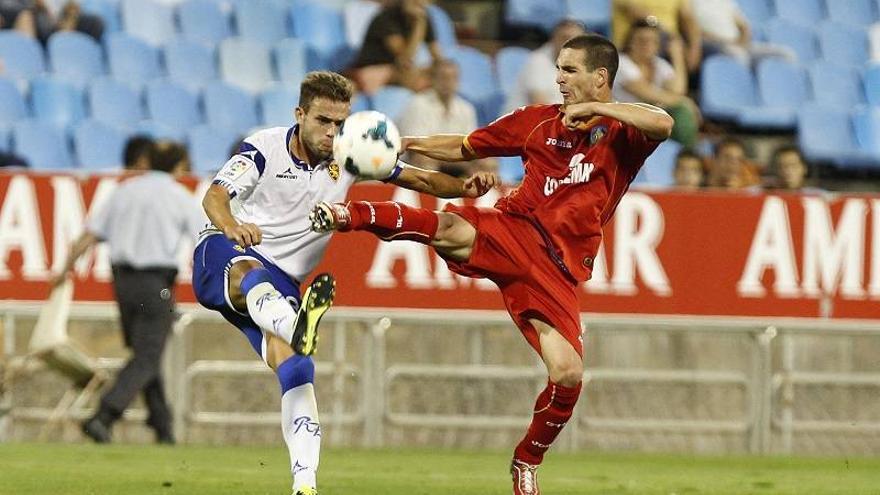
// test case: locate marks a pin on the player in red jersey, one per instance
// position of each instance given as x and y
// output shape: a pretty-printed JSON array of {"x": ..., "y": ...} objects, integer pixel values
[{"x": 539, "y": 242}]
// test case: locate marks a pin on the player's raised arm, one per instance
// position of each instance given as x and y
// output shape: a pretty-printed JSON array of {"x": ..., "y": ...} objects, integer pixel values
[
  {"x": 443, "y": 147},
  {"x": 654, "y": 122},
  {"x": 444, "y": 185}
]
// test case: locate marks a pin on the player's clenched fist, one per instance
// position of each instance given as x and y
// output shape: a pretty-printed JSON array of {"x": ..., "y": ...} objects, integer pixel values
[
  {"x": 245, "y": 234},
  {"x": 479, "y": 184}
]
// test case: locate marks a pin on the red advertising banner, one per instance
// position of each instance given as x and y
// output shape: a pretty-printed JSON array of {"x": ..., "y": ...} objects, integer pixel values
[{"x": 664, "y": 253}]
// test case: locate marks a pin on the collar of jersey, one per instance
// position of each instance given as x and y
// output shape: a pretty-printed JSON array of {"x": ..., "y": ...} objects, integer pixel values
[{"x": 300, "y": 164}]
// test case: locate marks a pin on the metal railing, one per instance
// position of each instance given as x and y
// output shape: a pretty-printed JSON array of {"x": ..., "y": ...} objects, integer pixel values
[{"x": 766, "y": 421}]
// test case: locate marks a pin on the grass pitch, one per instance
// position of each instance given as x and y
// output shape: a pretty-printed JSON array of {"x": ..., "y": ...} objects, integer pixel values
[{"x": 50, "y": 469}]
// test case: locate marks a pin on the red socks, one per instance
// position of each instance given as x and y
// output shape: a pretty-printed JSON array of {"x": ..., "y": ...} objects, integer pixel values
[
  {"x": 393, "y": 221},
  {"x": 552, "y": 410}
]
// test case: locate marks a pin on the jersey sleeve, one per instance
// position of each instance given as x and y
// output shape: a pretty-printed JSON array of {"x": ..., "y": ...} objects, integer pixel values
[
  {"x": 635, "y": 146},
  {"x": 98, "y": 223},
  {"x": 505, "y": 136},
  {"x": 241, "y": 173}
]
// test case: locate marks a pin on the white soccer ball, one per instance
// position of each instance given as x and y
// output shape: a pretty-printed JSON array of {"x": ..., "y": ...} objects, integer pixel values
[{"x": 367, "y": 145}]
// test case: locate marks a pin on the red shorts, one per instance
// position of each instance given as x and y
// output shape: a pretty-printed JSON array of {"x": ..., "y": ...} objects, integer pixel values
[{"x": 509, "y": 251}]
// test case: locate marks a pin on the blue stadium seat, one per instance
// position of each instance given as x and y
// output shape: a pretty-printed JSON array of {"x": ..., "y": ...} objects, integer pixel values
[
  {"x": 209, "y": 148},
  {"x": 756, "y": 11},
  {"x": 539, "y": 13},
  {"x": 782, "y": 88},
  {"x": 806, "y": 12},
  {"x": 477, "y": 82},
  {"x": 867, "y": 126},
  {"x": 191, "y": 64},
  {"x": 246, "y": 63},
  {"x": 843, "y": 44},
  {"x": 115, "y": 103},
  {"x": 799, "y": 38},
  {"x": 204, "y": 20},
  {"x": 277, "y": 104},
  {"x": 510, "y": 169},
  {"x": 173, "y": 106},
  {"x": 509, "y": 61},
  {"x": 13, "y": 106},
  {"x": 290, "y": 60},
  {"x": 22, "y": 56},
  {"x": 75, "y": 56},
  {"x": 131, "y": 60},
  {"x": 356, "y": 16},
  {"x": 659, "y": 168},
  {"x": 322, "y": 28},
  {"x": 872, "y": 84},
  {"x": 360, "y": 102},
  {"x": 727, "y": 87},
  {"x": 229, "y": 108},
  {"x": 57, "y": 102},
  {"x": 444, "y": 28},
  {"x": 148, "y": 20},
  {"x": 826, "y": 134},
  {"x": 261, "y": 20},
  {"x": 852, "y": 12},
  {"x": 44, "y": 146},
  {"x": 391, "y": 100},
  {"x": 157, "y": 130},
  {"x": 595, "y": 14},
  {"x": 837, "y": 85},
  {"x": 98, "y": 145},
  {"x": 107, "y": 10}
]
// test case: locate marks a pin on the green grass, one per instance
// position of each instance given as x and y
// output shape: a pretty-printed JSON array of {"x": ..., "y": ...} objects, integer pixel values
[{"x": 133, "y": 469}]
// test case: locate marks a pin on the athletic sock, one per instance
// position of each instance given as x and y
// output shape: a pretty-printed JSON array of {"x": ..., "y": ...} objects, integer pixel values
[
  {"x": 393, "y": 221},
  {"x": 299, "y": 419},
  {"x": 552, "y": 410},
  {"x": 266, "y": 306}
]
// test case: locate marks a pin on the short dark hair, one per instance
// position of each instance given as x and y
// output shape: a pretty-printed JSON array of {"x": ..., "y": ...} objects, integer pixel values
[
  {"x": 729, "y": 141},
  {"x": 136, "y": 147},
  {"x": 649, "y": 22},
  {"x": 687, "y": 153},
  {"x": 599, "y": 52},
  {"x": 324, "y": 84},
  {"x": 785, "y": 148},
  {"x": 166, "y": 155}
]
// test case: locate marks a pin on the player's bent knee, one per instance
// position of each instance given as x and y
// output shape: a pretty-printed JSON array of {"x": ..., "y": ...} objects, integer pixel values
[
  {"x": 568, "y": 377},
  {"x": 237, "y": 272},
  {"x": 453, "y": 232},
  {"x": 277, "y": 351}
]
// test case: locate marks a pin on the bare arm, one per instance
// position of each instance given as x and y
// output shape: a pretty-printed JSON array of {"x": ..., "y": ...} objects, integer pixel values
[
  {"x": 679, "y": 82},
  {"x": 404, "y": 49},
  {"x": 691, "y": 29},
  {"x": 655, "y": 123},
  {"x": 443, "y": 147},
  {"x": 745, "y": 31},
  {"x": 79, "y": 247},
  {"x": 443, "y": 185},
  {"x": 216, "y": 205},
  {"x": 646, "y": 91}
]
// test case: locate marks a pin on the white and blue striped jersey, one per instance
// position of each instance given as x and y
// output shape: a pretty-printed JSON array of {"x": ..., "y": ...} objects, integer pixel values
[{"x": 275, "y": 191}]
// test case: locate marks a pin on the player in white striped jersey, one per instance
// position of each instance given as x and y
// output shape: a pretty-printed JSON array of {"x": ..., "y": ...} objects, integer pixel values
[{"x": 248, "y": 265}]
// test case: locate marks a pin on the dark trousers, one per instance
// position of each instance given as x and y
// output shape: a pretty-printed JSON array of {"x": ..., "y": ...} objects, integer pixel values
[{"x": 146, "y": 307}]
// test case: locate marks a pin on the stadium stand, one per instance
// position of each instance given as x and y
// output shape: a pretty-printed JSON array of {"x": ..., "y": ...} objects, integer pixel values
[
  {"x": 22, "y": 57},
  {"x": 659, "y": 167},
  {"x": 173, "y": 106},
  {"x": 114, "y": 103},
  {"x": 245, "y": 63},
  {"x": 277, "y": 104},
  {"x": 131, "y": 60},
  {"x": 56, "y": 102},
  {"x": 209, "y": 148},
  {"x": 323, "y": 30},
  {"x": 229, "y": 108},
  {"x": 806, "y": 12},
  {"x": 45, "y": 146},
  {"x": 290, "y": 60},
  {"x": 191, "y": 64},
  {"x": 13, "y": 106},
  {"x": 98, "y": 145},
  {"x": 391, "y": 100},
  {"x": 843, "y": 44},
  {"x": 261, "y": 20},
  {"x": 148, "y": 20},
  {"x": 75, "y": 57},
  {"x": 204, "y": 20}
]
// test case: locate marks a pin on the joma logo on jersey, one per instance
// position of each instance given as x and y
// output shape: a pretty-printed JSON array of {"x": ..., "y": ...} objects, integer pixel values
[
  {"x": 287, "y": 174},
  {"x": 558, "y": 142},
  {"x": 578, "y": 172}
]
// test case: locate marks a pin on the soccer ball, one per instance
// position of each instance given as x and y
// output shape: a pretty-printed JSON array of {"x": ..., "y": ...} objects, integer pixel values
[{"x": 367, "y": 145}]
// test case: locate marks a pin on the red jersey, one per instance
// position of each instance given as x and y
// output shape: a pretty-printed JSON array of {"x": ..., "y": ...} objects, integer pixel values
[{"x": 573, "y": 179}]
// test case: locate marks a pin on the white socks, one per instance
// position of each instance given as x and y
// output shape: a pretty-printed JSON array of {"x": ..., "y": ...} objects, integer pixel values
[
  {"x": 302, "y": 433},
  {"x": 271, "y": 311}
]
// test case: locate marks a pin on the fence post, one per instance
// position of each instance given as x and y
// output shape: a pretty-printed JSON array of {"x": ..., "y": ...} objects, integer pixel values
[
  {"x": 374, "y": 388},
  {"x": 6, "y": 393},
  {"x": 787, "y": 392}
]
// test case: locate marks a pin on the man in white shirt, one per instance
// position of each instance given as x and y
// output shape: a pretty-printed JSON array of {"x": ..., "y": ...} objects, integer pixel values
[
  {"x": 725, "y": 29},
  {"x": 248, "y": 265},
  {"x": 533, "y": 86},
  {"x": 440, "y": 110}
]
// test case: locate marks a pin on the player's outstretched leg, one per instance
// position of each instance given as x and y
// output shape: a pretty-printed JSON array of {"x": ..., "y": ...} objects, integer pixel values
[
  {"x": 387, "y": 219},
  {"x": 273, "y": 313}
]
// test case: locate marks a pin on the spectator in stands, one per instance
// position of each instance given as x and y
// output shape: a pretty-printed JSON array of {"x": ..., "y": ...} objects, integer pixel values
[
  {"x": 10, "y": 159},
  {"x": 39, "y": 19},
  {"x": 144, "y": 260},
  {"x": 137, "y": 152},
  {"x": 643, "y": 76},
  {"x": 388, "y": 55},
  {"x": 730, "y": 168},
  {"x": 689, "y": 172},
  {"x": 533, "y": 86},
  {"x": 172, "y": 156},
  {"x": 673, "y": 16},
  {"x": 439, "y": 110},
  {"x": 788, "y": 170},
  {"x": 726, "y": 30}
]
